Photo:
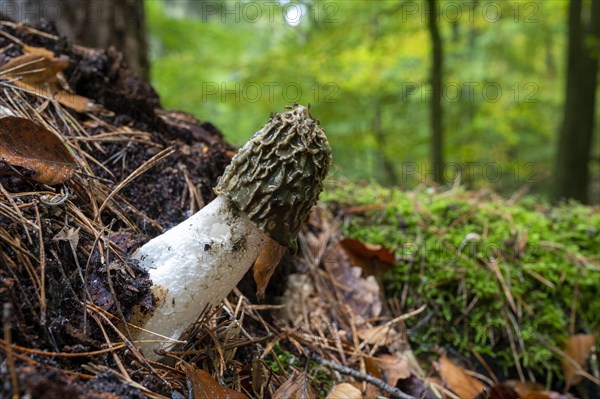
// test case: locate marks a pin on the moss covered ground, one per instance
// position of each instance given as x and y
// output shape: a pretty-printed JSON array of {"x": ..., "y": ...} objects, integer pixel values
[{"x": 506, "y": 280}]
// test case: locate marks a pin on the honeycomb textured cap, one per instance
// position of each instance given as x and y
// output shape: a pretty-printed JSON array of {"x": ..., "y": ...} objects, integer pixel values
[{"x": 276, "y": 178}]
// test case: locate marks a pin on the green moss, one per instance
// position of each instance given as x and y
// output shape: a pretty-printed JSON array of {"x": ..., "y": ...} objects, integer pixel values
[
  {"x": 320, "y": 377},
  {"x": 450, "y": 248},
  {"x": 285, "y": 357}
]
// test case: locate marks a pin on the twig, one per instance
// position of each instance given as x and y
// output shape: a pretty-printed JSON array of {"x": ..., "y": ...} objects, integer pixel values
[
  {"x": 42, "y": 252},
  {"x": 394, "y": 392}
]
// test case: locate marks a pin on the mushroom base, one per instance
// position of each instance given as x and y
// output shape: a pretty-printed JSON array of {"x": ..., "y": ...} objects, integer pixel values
[{"x": 194, "y": 266}]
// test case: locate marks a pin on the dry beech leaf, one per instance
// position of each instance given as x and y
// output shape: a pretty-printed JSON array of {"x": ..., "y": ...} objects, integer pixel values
[
  {"x": 373, "y": 259},
  {"x": 38, "y": 50},
  {"x": 382, "y": 335},
  {"x": 265, "y": 265},
  {"x": 28, "y": 145},
  {"x": 361, "y": 294},
  {"x": 499, "y": 391},
  {"x": 455, "y": 378},
  {"x": 77, "y": 103},
  {"x": 533, "y": 390},
  {"x": 34, "y": 68},
  {"x": 386, "y": 334},
  {"x": 68, "y": 234},
  {"x": 545, "y": 395},
  {"x": 372, "y": 367},
  {"x": 344, "y": 391},
  {"x": 394, "y": 368},
  {"x": 296, "y": 387},
  {"x": 37, "y": 71},
  {"x": 364, "y": 208},
  {"x": 578, "y": 348},
  {"x": 369, "y": 251},
  {"x": 372, "y": 392},
  {"x": 388, "y": 368},
  {"x": 205, "y": 387},
  {"x": 523, "y": 388}
]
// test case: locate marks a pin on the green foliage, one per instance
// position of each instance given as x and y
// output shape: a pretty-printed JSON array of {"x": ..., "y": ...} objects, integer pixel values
[
  {"x": 448, "y": 246},
  {"x": 285, "y": 357},
  {"x": 352, "y": 58},
  {"x": 320, "y": 378}
]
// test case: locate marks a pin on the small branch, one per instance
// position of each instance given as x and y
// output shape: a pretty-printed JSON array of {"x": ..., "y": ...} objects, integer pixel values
[{"x": 395, "y": 392}]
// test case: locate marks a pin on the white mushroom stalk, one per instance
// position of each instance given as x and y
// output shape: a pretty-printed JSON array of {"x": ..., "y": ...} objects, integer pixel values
[{"x": 265, "y": 193}]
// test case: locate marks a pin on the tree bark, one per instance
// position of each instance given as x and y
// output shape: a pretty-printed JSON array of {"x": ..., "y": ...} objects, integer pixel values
[
  {"x": 101, "y": 24},
  {"x": 571, "y": 171},
  {"x": 437, "y": 156},
  {"x": 389, "y": 171}
]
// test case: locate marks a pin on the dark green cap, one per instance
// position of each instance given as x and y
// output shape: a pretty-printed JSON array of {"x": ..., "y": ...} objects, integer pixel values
[{"x": 276, "y": 178}]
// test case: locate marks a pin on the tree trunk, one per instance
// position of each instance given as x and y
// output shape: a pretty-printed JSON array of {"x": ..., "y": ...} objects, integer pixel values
[
  {"x": 101, "y": 24},
  {"x": 437, "y": 157},
  {"x": 575, "y": 138},
  {"x": 391, "y": 178}
]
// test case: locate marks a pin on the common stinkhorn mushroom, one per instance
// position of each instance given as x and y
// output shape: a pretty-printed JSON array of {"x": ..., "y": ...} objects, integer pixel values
[{"x": 265, "y": 193}]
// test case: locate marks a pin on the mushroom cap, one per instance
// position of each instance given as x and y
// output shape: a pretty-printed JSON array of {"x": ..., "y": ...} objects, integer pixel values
[{"x": 277, "y": 176}]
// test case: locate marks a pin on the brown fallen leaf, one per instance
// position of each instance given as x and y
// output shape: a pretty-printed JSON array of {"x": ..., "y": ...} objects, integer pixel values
[
  {"x": 78, "y": 103},
  {"x": 38, "y": 50},
  {"x": 364, "y": 208},
  {"x": 265, "y": 265},
  {"x": 546, "y": 395},
  {"x": 369, "y": 251},
  {"x": 372, "y": 367},
  {"x": 37, "y": 71},
  {"x": 382, "y": 335},
  {"x": 70, "y": 234},
  {"x": 371, "y": 391},
  {"x": 386, "y": 334},
  {"x": 388, "y": 368},
  {"x": 533, "y": 390},
  {"x": 361, "y": 294},
  {"x": 204, "y": 385},
  {"x": 578, "y": 348},
  {"x": 34, "y": 68},
  {"x": 523, "y": 388},
  {"x": 499, "y": 391},
  {"x": 374, "y": 260},
  {"x": 394, "y": 367},
  {"x": 25, "y": 144},
  {"x": 296, "y": 387},
  {"x": 455, "y": 378},
  {"x": 344, "y": 391}
]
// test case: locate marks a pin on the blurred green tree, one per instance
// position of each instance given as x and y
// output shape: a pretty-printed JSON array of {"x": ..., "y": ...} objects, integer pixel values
[
  {"x": 571, "y": 170},
  {"x": 437, "y": 142},
  {"x": 365, "y": 67}
]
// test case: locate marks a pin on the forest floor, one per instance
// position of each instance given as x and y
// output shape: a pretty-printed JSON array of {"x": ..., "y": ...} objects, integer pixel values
[{"x": 331, "y": 323}]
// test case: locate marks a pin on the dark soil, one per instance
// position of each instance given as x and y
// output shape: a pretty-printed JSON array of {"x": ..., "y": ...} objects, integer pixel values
[{"x": 156, "y": 200}]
